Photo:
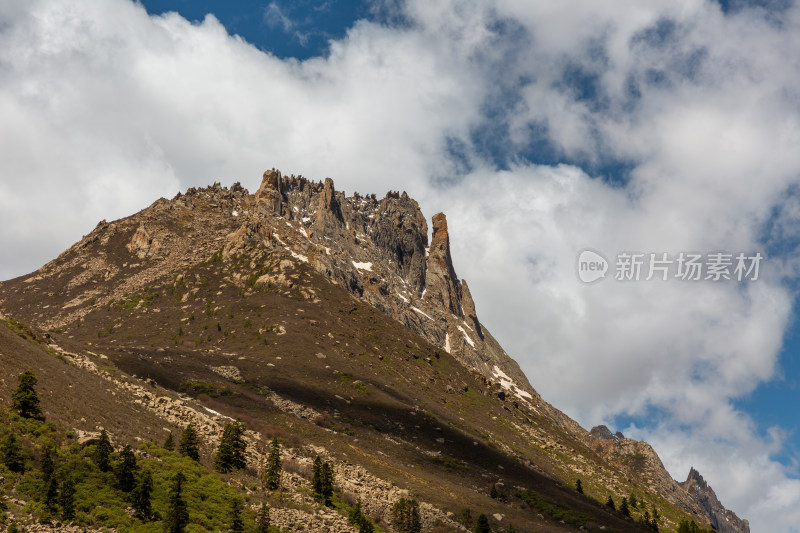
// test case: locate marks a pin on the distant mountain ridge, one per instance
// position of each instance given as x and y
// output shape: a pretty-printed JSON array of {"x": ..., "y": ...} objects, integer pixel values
[{"x": 375, "y": 249}]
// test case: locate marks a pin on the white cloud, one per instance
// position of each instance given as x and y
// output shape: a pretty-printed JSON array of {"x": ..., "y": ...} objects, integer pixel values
[{"x": 106, "y": 108}]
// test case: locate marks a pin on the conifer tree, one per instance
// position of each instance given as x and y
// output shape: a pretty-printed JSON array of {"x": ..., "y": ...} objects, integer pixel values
[
  {"x": 632, "y": 501},
  {"x": 48, "y": 465},
  {"x": 610, "y": 502},
  {"x": 327, "y": 483},
  {"x": 623, "y": 507},
  {"x": 358, "y": 519},
  {"x": 272, "y": 472},
  {"x": 482, "y": 525},
  {"x": 316, "y": 477},
  {"x": 169, "y": 442},
  {"x": 126, "y": 470},
  {"x": 12, "y": 455},
  {"x": 405, "y": 516},
  {"x": 263, "y": 520},
  {"x": 102, "y": 452},
  {"x": 236, "y": 521},
  {"x": 140, "y": 496},
  {"x": 190, "y": 443},
  {"x": 24, "y": 400},
  {"x": 493, "y": 492},
  {"x": 177, "y": 512},
  {"x": 51, "y": 494},
  {"x": 579, "y": 486},
  {"x": 66, "y": 499},
  {"x": 231, "y": 452}
]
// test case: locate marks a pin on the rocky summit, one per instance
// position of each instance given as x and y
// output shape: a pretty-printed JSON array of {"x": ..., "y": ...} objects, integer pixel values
[{"x": 335, "y": 325}]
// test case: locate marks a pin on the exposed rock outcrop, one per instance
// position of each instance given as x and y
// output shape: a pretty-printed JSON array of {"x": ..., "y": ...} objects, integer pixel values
[
  {"x": 722, "y": 519},
  {"x": 442, "y": 287}
]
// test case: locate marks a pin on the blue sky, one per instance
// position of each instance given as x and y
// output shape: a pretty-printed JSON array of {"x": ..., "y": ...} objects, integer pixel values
[
  {"x": 540, "y": 128},
  {"x": 299, "y": 29}
]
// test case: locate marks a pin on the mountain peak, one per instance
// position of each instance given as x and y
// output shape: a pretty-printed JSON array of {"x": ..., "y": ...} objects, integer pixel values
[{"x": 722, "y": 519}]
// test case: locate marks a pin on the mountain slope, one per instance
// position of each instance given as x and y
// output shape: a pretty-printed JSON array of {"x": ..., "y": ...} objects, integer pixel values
[{"x": 332, "y": 321}]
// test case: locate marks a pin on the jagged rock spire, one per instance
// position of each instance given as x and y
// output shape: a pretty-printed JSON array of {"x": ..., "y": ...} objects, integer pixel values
[
  {"x": 269, "y": 194},
  {"x": 441, "y": 283}
]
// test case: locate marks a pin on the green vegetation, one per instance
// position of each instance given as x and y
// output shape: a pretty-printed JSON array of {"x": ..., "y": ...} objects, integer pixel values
[
  {"x": 579, "y": 486},
  {"x": 106, "y": 331},
  {"x": 102, "y": 452},
  {"x": 686, "y": 526},
  {"x": 190, "y": 443},
  {"x": 62, "y": 481},
  {"x": 204, "y": 387},
  {"x": 12, "y": 454},
  {"x": 271, "y": 475},
  {"x": 450, "y": 463},
  {"x": 533, "y": 499},
  {"x": 610, "y": 503},
  {"x": 359, "y": 519},
  {"x": 322, "y": 481},
  {"x": 263, "y": 521},
  {"x": 482, "y": 525},
  {"x": 169, "y": 442},
  {"x": 24, "y": 400},
  {"x": 623, "y": 507},
  {"x": 231, "y": 452},
  {"x": 405, "y": 516}
]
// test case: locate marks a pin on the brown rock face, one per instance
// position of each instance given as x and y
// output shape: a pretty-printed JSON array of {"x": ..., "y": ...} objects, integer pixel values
[
  {"x": 468, "y": 306},
  {"x": 329, "y": 213},
  {"x": 442, "y": 287},
  {"x": 722, "y": 519},
  {"x": 269, "y": 194},
  {"x": 141, "y": 242}
]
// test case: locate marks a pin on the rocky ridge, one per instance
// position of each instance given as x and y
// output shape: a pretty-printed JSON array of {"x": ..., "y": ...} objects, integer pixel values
[
  {"x": 640, "y": 461},
  {"x": 723, "y": 520}
]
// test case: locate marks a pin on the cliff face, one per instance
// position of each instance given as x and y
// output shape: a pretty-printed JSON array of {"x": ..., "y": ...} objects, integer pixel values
[
  {"x": 723, "y": 520},
  {"x": 379, "y": 251}
]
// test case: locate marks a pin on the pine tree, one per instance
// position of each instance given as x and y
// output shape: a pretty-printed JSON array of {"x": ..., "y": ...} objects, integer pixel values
[
  {"x": 48, "y": 465},
  {"x": 358, "y": 519},
  {"x": 272, "y": 472},
  {"x": 466, "y": 516},
  {"x": 190, "y": 444},
  {"x": 263, "y": 520},
  {"x": 316, "y": 477},
  {"x": 11, "y": 452},
  {"x": 237, "y": 523},
  {"x": 405, "y": 516},
  {"x": 51, "y": 494},
  {"x": 610, "y": 502},
  {"x": 177, "y": 512},
  {"x": 140, "y": 496},
  {"x": 327, "y": 483},
  {"x": 231, "y": 452},
  {"x": 13, "y": 527},
  {"x": 126, "y": 470},
  {"x": 482, "y": 525},
  {"x": 579, "y": 486},
  {"x": 66, "y": 499},
  {"x": 493, "y": 492},
  {"x": 102, "y": 452},
  {"x": 24, "y": 400},
  {"x": 169, "y": 442},
  {"x": 623, "y": 507},
  {"x": 632, "y": 501}
]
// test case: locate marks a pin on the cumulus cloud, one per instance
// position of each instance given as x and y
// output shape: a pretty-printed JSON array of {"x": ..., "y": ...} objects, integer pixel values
[{"x": 674, "y": 123}]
